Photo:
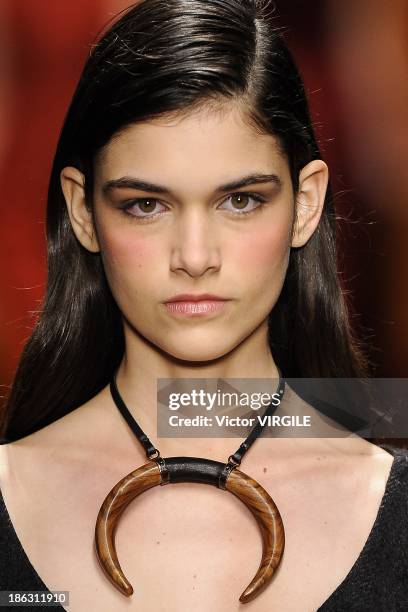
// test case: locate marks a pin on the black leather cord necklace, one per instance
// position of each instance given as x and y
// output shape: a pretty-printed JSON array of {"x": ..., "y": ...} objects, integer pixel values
[{"x": 161, "y": 471}]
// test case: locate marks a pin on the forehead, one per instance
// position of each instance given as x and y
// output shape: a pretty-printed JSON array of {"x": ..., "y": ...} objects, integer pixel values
[{"x": 202, "y": 144}]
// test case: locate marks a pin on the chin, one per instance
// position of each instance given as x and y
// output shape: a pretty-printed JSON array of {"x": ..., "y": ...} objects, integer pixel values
[{"x": 197, "y": 351}]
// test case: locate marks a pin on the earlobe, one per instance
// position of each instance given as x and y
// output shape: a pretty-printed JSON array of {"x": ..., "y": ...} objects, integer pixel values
[
  {"x": 73, "y": 188},
  {"x": 313, "y": 180}
]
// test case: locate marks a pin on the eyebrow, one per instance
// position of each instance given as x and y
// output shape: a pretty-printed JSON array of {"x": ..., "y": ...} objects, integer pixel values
[{"x": 130, "y": 182}]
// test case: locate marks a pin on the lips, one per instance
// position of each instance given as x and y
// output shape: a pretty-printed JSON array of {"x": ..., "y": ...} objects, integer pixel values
[
  {"x": 190, "y": 297},
  {"x": 193, "y": 305}
]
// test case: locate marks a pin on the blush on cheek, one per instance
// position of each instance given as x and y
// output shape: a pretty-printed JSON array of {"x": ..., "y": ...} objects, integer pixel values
[
  {"x": 262, "y": 249},
  {"x": 119, "y": 250}
]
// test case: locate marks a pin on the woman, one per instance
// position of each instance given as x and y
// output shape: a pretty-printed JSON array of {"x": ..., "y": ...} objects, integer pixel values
[{"x": 191, "y": 234}]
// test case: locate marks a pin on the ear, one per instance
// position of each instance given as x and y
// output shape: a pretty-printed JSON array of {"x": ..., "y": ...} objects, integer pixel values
[
  {"x": 73, "y": 188},
  {"x": 313, "y": 180}
]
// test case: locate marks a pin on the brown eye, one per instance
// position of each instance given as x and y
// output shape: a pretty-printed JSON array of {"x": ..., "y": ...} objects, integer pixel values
[
  {"x": 243, "y": 203},
  {"x": 240, "y": 200},
  {"x": 143, "y": 208},
  {"x": 147, "y": 206}
]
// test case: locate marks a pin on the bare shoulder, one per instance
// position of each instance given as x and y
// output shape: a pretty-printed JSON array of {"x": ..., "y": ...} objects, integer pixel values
[
  {"x": 67, "y": 443},
  {"x": 360, "y": 467},
  {"x": 356, "y": 479},
  {"x": 330, "y": 473},
  {"x": 373, "y": 461}
]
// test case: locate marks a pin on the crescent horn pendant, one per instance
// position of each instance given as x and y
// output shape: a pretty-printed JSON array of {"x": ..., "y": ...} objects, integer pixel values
[{"x": 191, "y": 469}]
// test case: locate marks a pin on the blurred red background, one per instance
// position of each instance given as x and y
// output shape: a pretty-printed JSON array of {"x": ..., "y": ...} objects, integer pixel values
[{"x": 354, "y": 60}]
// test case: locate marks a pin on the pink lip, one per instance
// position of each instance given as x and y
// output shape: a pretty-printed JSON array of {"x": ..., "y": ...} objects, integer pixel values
[
  {"x": 197, "y": 308},
  {"x": 191, "y": 297},
  {"x": 195, "y": 305}
]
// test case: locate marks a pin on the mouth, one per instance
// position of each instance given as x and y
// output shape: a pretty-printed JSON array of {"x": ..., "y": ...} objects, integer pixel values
[{"x": 195, "y": 305}]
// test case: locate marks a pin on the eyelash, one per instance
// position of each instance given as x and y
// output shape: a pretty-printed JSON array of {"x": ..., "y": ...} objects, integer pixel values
[{"x": 147, "y": 217}]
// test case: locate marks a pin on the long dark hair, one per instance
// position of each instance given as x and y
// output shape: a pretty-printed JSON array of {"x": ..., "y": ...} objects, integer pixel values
[{"x": 161, "y": 57}]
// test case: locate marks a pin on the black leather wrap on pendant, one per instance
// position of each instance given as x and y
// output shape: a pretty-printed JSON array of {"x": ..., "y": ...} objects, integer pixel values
[{"x": 193, "y": 469}]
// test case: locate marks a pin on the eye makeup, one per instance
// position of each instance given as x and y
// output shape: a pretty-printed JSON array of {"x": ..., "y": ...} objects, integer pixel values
[{"x": 257, "y": 202}]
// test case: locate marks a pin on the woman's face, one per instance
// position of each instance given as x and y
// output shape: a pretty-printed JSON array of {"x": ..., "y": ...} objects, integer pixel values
[{"x": 198, "y": 205}]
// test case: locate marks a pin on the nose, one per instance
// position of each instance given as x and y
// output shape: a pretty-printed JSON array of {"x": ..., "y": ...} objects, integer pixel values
[{"x": 195, "y": 249}]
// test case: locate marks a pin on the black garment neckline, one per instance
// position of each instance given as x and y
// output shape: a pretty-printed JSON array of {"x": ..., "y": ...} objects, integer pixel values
[{"x": 398, "y": 456}]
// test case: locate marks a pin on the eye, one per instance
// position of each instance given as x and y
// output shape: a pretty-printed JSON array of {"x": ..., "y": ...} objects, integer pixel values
[
  {"x": 143, "y": 207},
  {"x": 243, "y": 203}
]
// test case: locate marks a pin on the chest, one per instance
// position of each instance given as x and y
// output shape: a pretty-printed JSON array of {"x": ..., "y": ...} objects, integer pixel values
[{"x": 190, "y": 546}]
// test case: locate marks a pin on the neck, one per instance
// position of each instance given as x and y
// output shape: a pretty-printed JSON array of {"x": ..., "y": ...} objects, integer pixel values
[{"x": 144, "y": 363}]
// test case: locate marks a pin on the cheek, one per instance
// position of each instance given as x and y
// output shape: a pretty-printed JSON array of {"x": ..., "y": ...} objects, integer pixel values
[
  {"x": 118, "y": 249},
  {"x": 126, "y": 258},
  {"x": 263, "y": 251}
]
